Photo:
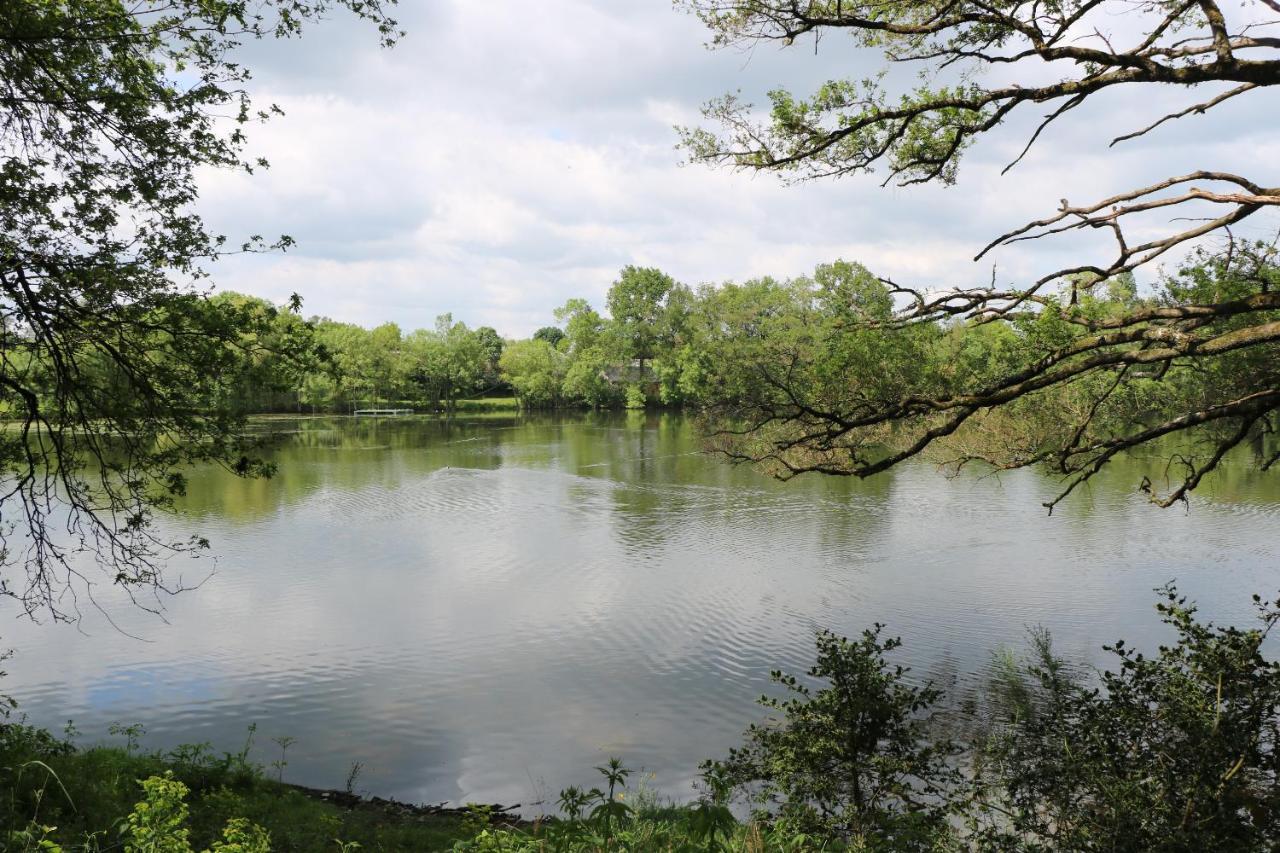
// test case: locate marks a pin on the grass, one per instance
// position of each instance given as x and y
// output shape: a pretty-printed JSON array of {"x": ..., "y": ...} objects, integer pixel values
[
  {"x": 83, "y": 795},
  {"x": 90, "y": 800},
  {"x": 489, "y": 404}
]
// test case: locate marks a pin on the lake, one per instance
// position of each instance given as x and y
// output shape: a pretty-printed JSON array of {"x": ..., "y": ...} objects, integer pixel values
[{"x": 483, "y": 609}]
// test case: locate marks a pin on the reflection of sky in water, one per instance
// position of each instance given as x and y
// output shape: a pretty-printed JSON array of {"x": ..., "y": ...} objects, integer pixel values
[
  {"x": 485, "y": 610},
  {"x": 127, "y": 688}
]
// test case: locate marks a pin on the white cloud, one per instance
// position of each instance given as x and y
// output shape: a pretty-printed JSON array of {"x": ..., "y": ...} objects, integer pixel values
[{"x": 493, "y": 167}]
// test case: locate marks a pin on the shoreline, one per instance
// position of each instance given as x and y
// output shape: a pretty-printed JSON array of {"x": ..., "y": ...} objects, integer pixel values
[{"x": 499, "y": 815}]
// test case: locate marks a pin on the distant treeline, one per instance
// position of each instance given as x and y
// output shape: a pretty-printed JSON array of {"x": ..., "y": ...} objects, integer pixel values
[
  {"x": 740, "y": 349},
  {"x": 628, "y": 358},
  {"x": 659, "y": 343}
]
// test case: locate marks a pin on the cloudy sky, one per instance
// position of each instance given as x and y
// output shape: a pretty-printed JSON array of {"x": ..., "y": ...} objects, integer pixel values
[{"x": 505, "y": 157}]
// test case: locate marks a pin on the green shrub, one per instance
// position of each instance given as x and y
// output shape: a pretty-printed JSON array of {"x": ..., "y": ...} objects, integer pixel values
[
  {"x": 1177, "y": 751},
  {"x": 852, "y": 759},
  {"x": 635, "y": 397},
  {"x": 158, "y": 824}
]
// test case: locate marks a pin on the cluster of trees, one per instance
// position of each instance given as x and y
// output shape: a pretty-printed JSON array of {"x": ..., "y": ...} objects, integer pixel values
[
  {"x": 434, "y": 367},
  {"x": 625, "y": 358},
  {"x": 593, "y": 360},
  {"x": 281, "y": 362},
  {"x": 794, "y": 374},
  {"x": 818, "y": 374}
]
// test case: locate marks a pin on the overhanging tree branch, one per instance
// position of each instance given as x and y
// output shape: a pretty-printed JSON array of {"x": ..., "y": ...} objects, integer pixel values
[{"x": 1206, "y": 341}]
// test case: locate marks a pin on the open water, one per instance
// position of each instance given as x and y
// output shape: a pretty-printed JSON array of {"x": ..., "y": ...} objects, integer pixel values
[{"x": 486, "y": 608}]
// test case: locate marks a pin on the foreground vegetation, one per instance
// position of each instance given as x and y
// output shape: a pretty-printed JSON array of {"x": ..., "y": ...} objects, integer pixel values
[
  {"x": 111, "y": 798},
  {"x": 1173, "y": 751}
]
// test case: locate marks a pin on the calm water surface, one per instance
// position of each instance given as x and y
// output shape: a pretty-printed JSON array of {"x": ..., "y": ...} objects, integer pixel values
[{"x": 485, "y": 609}]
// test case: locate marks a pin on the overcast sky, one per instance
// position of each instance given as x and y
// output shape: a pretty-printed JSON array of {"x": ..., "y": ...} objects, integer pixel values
[{"x": 505, "y": 157}]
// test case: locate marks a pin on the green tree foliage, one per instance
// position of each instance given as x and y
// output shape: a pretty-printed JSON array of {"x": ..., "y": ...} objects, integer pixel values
[
  {"x": 853, "y": 758},
  {"x": 113, "y": 362},
  {"x": 427, "y": 367},
  {"x": 386, "y": 362},
  {"x": 1087, "y": 358},
  {"x": 637, "y": 302},
  {"x": 586, "y": 379},
  {"x": 1174, "y": 751},
  {"x": 591, "y": 352},
  {"x": 448, "y": 362},
  {"x": 550, "y": 334},
  {"x": 276, "y": 351},
  {"x": 536, "y": 370},
  {"x": 491, "y": 346},
  {"x": 584, "y": 328},
  {"x": 345, "y": 372}
]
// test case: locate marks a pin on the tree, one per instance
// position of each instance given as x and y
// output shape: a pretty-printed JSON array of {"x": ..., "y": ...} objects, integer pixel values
[
  {"x": 675, "y": 334},
  {"x": 348, "y": 366},
  {"x": 274, "y": 359},
  {"x": 636, "y": 301},
  {"x": 451, "y": 362},
  {"x": 584, "y": 378},
  {"x": 1090, "y": 365},
  {"x": 536, "y": 371},
  {"x": 550, "y": 334},
  {"x": 113, "y": 361},
  {"x": 387, "y": 366},
  {"x": 491, "y": 345},
  {"x": 591, "y": 353},
  {"x": 584, "y": 327}
]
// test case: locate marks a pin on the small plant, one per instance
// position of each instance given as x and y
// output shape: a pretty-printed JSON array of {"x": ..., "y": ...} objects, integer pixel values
[
  {"x": 32, "y": 838},
  {"x": 37, "y": 796},
  {"x": 477, "y": 819},
  {"x": 241, "y": 836},
  {"x": 243, "y": 755},
  {"x": 635, "y": 398},
  {"x": 284, "y": 742},
  {"x": 157, "y": 824},
  {"x": 610, "y": 809},
  {"x": 573, "y": 801},
  {"x": 132, "y": 734},
  {"x": 352, "y": 775},
  {"x": 711, "y": 822}
]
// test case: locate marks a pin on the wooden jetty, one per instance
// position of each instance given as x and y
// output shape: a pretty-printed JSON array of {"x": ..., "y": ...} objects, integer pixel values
[{"x": 379, "y": 413}]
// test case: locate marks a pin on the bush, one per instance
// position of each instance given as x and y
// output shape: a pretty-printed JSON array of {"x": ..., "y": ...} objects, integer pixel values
[
  {"x": 1172, "y": 752},
  {"x": 851, "y": 760},
  {"x": 1179, "y": 751}
]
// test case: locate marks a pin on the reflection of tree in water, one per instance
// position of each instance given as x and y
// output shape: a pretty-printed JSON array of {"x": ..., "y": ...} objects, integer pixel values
[
  {"x": 349, "y": 454},
  {"x": 669, "y": 493},
  {"x": 666, "y": 488},
  {"x": 1243, "y": 478}
]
